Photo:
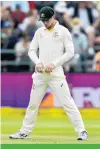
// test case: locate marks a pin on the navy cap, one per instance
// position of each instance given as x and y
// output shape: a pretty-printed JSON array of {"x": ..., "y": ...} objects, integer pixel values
[{"x": 46, "y": 13}]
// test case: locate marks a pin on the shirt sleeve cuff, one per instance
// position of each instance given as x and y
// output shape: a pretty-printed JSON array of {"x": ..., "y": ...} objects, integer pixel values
[
  {"x": 54, "y": 63},
  {"x": 38, "y": 61}
]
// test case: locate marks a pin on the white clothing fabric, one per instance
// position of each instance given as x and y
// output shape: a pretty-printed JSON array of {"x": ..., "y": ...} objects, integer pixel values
[
  {"x": 51, "y": 49},
  {"x": 61, "y": 90},
  {"x": 55, "y": 46}
]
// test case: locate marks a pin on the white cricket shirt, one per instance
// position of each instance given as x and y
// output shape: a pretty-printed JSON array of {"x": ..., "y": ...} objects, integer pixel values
[{"x": 55, "y": 46}]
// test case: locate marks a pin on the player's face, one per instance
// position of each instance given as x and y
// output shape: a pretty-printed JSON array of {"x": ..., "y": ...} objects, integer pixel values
[{"x": 48, "y": 24}]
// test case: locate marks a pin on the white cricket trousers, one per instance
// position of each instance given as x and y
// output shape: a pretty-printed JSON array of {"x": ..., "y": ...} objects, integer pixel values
[{"x": 61, "y": 91}]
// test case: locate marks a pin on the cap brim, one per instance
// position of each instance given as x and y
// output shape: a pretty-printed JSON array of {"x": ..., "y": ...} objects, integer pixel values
[{"x": 44, "y": 19}]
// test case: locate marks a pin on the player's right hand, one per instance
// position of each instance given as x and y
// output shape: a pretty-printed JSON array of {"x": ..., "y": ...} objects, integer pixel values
[{"x": 39, "y": 67}]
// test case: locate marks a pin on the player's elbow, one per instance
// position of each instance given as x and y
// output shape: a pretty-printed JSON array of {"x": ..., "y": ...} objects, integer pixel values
[
  {"x": 29, "y": 52},
  {"x": 72, "y": 50},
  {"x": 72, "y": 54}
]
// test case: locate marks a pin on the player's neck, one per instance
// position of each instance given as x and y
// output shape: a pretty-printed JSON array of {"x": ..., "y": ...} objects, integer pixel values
[{"x": 53, "y": 24}]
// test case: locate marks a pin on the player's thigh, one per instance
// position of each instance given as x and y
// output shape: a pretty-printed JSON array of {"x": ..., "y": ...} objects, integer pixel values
[
  {"x": 37, "y": 93},
  {"x": 61, "y": 90}
]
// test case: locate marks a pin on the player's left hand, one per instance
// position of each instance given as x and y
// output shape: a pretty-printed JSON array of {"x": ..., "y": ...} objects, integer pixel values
[{"x": 49, "y": 68}]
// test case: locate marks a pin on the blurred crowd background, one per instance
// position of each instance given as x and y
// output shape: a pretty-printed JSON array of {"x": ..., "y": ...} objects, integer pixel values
[{"x": 19, "y": 21}]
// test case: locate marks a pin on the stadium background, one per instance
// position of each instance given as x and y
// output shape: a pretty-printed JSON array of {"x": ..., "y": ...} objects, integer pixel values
[{"x": 19, "y": 21}]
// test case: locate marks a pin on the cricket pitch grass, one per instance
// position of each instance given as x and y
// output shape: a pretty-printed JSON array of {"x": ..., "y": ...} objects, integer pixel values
[{"x": 52, "y": 127}]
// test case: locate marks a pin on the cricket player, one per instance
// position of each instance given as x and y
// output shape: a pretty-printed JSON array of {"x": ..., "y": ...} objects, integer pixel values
[{"x": 55, "y": 48}]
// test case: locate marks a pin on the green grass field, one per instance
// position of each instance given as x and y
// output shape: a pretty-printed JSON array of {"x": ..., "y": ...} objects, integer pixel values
[{"x": 50, "y": 130}]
